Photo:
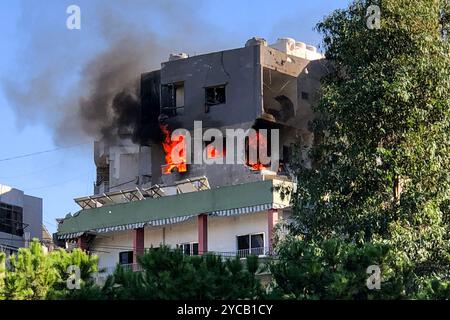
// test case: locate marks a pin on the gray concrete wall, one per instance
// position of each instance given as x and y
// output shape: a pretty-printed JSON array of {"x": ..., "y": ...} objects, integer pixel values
[
  {"x": 11, "y": 196},
  {"x": 32, "y": 215},
  {"x": 239, "y": 69}
]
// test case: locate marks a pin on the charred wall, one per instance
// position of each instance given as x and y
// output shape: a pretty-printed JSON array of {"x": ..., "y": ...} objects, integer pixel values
[{"x": 147, "y": 129}]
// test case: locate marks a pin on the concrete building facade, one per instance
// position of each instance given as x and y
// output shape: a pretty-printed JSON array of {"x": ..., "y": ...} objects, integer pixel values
[
  {"x": 20, "y": 219},
  {"x": 142, "y": 201}
]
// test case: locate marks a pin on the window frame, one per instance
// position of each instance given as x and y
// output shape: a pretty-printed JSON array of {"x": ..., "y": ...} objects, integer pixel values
[
  {"x": 250, "y": 249},
  {"x": 130, "y": 254},
  {"x": 11, "y": 219},
  {"x": 191, "y": 248},
  {"x": 215, "y": 87},
  {"x": 171, "y": 110}
]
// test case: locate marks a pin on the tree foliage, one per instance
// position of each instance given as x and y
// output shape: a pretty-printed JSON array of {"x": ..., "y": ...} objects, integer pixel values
[
  {"x": 381, "y": 157},
  {"x": 171, "y": 275},
  {"x": 34, "y": 274}
]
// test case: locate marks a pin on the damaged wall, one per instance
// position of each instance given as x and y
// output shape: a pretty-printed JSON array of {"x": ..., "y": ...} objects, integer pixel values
[{"x": 227, "y": 89}]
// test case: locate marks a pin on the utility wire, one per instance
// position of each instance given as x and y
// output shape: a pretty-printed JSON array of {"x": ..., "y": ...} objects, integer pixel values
[
  {"x": 41, "y": 152},
  {"x": 31, "y": 173},
  {"x": 56, "y": 184}
]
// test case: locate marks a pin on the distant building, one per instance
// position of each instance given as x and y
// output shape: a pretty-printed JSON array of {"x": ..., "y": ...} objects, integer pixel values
[
  {"x": 47, "y": 239},
  {"x": 20, "y": 219}
]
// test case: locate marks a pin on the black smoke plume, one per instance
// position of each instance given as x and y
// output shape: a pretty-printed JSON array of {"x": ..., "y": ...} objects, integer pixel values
[{"x": 83, "y": 93}]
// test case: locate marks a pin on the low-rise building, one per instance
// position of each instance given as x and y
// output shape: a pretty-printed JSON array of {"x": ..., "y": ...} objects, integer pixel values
[{"x": 20, "y": 219}]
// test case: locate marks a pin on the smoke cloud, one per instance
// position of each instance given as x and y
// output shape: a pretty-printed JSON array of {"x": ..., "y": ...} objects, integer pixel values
[{"x": 85, "y": 84}]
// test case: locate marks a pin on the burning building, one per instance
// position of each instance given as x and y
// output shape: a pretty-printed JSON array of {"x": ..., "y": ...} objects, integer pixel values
[{"x": 144, "y": 198}]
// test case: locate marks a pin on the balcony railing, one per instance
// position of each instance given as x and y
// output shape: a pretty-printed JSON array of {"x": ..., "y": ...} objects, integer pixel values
[{"x": 262, "y": 252}]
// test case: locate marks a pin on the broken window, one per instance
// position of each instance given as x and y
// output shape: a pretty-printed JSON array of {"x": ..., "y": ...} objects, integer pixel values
[
  {"x": 172, "y": 99},
  {"x": 280, "y": 95},
  {"x": 257, "y": 146},
  {"x": 212, "y": 151},
  {"x": 214, "y": 96}
]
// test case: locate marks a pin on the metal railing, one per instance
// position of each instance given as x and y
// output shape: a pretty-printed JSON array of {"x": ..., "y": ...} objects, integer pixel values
[{"x": 262, "y": 252}]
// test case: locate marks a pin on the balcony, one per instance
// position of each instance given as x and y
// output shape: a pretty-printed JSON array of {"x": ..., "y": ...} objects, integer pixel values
[{"x": 262, "y": 252}]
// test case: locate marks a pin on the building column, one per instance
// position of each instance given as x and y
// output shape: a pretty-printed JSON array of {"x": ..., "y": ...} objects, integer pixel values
[
  {"x": 82, "y": 242},
  {"x": 138, "y": 243},
  {"x": 272, "y": 219},
  {"x": 202, "y": 226}
]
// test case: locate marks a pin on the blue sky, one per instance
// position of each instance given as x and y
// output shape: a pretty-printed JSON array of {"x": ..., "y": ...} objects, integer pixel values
[{"x": 34, "y": 41}]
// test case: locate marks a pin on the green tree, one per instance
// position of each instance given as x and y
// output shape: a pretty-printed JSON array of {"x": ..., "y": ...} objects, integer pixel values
[
  {"x": 34, "y": 274},
  {"x": 381, "y": 157},
  {"x": 2, "y": 273},
  {"x": 334, "y": 269},
  {"x": 31, "y": 274},
  {"x": 171, "y": 275},
  {"x": 88, "y": 265}
]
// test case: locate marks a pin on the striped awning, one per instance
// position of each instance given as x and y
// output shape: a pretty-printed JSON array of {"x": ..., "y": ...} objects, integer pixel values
[
  {"x": 173, "y": 220},
  {"x": 130, "y": 226},
  {"x": 70, "y": 235},
  {"x": 243, "y": 210}
]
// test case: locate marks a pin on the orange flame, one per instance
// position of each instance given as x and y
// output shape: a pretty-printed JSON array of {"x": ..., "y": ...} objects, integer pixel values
[
  {"x": 212, "y": 152},
  {"x": 168, "y": 145},
  {"x": 255, "y": 142}
]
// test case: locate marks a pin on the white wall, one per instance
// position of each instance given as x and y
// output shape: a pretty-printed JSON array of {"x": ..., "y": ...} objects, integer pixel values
[
  {"x": 222, "y": 236},
  {"x": 223, "y": 231},
  {"x": 182, "y": 232},
  {"x": 107, "y": 247}
]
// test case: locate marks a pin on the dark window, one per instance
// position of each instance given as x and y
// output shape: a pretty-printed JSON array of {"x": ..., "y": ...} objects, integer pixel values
[
  {"x": 214, "y": 95},
  {"x": 305, "y": 95},
  {"x": 257, "y": 244},
  {"x": 190, "y": 249},
  {"x": 250, "y": 244},
  {"x": 286, "y": 153},
  {"x": 244, "y": 242},
  {"x": 195, "y": 249},
  {"x": 11, "y": 219},
  {"x": 126, "y": 257},
  {"x": 172, "y": 99}
]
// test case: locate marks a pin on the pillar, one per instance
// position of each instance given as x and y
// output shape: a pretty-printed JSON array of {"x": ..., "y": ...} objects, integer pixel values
[
  {"x": 82, "y": 242},
  {"x": 202, "y": 225},
  {"x": 138, "y": 243}
]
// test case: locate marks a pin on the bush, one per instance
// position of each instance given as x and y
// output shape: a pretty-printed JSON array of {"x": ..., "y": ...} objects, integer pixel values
[{"x": 169, "y": 274}]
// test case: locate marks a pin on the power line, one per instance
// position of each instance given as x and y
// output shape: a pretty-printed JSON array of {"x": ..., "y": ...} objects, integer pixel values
[
  {"x": 41, "y": 152},
  {"x": 50, "y": 223},
  {"x": 56, "y": 184},
  {"x": 33, "y": 172}
]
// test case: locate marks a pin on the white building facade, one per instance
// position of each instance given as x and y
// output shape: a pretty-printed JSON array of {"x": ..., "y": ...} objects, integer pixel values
[{"x": 229, "y": 221}]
